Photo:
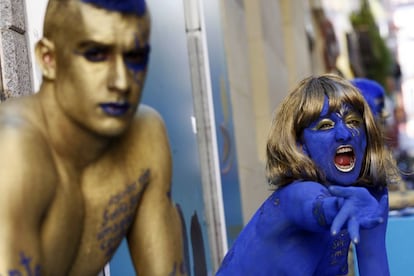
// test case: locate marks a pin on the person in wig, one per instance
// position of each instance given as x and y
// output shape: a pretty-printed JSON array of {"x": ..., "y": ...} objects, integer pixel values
[
  {"x": 83, "y": 163},
  {"x": 325, "y": 159},
  {"x": 399, "y": 196}
]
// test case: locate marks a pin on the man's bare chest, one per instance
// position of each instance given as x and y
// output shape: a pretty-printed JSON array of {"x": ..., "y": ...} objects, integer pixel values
[
  {"x": 110, "y": 214},
  {"x": 96, "y": 221}
]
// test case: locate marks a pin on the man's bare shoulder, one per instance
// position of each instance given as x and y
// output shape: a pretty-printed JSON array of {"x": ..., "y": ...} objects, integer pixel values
[
  {"x": 23, "y": 110},
  {"x": 20, "y": 120},
  {"x": 148, "y": 115},
  {"x": 25, "y": 154},
  {"x": 145, "y": 144},
  {"x": 148, "y": 127}
]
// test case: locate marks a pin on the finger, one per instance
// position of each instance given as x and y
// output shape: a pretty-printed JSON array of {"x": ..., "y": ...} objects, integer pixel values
[
  {"x": 340, "y": 219},
  {"x": 342, "y": 191},
  {"x": 353, "y": 230}
]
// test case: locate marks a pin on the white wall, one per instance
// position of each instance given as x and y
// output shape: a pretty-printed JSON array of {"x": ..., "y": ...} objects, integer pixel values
[{"x": 35, "y": 14}]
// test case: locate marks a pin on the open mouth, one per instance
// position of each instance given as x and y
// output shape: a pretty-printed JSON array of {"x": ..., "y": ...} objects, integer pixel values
[
  {"x": 345, "y": 159},
  {"x": 115, "y": 109}
]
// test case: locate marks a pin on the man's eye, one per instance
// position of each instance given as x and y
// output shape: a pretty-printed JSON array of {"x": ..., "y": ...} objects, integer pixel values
[
  {"x": 96, "y": 54},
  {"x": 137, "y": 57}
]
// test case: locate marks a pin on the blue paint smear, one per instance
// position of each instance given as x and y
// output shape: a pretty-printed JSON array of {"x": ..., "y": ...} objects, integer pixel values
[
  {"x": 137, "y": 7},
  {"x": 140, "y": 64}
]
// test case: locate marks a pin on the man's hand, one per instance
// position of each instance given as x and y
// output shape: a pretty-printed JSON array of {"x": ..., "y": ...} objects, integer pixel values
[{"x": 358, "y": 209}]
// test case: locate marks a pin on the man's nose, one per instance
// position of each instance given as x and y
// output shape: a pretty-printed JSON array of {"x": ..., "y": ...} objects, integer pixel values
[
  {"x": 118, "y": 76},
  {"x": 342, "y": 132}
]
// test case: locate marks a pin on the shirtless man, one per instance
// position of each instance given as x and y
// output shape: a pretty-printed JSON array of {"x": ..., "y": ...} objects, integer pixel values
[{"x": 82, "y": 164}]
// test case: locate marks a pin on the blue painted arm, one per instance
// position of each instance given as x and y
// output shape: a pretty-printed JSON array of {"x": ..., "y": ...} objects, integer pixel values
[
  {"x": 317, "y": 208},
  {"x": 371, "y": 250},
  {"x": 310, "y": 205}
]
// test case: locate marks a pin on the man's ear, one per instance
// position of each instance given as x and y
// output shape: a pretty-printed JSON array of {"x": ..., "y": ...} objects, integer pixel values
[{"x": 45, "y": 55}]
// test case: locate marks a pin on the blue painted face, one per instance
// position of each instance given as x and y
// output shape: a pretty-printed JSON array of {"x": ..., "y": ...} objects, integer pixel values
[{"x": 336, "y": 142}]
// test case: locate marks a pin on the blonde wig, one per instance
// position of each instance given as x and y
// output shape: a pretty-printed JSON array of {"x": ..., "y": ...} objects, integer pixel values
[{"x": 286, "y": 161}]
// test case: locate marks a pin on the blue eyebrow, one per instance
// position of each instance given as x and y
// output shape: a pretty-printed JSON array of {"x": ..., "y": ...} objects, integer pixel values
[{"x": 137, "y": 7}]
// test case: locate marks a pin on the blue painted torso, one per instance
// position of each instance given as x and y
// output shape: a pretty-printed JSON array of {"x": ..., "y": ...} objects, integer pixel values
[{"x": 273, "y": 244}]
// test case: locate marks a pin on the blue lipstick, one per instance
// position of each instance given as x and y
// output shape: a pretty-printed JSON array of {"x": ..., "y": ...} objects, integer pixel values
[{"x": 115, "y": 109}]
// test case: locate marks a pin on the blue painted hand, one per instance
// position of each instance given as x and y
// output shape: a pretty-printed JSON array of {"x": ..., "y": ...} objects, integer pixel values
[{"x": 359, "y": 209}]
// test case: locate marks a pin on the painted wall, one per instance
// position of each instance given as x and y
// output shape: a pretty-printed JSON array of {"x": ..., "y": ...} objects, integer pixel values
[{"x": 167, "y": 89}]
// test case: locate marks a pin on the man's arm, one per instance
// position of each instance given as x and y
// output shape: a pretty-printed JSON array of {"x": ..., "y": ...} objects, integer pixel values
[
  {"x": 156, "y": 238},
  {"x": 23, "y": 201}
]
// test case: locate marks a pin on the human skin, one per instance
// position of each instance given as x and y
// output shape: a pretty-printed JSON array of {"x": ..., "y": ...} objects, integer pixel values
[
  {"x": 340, "y": 137},
  {"x": 305, "y": 228},
  {"x": 83, "y": 165}
]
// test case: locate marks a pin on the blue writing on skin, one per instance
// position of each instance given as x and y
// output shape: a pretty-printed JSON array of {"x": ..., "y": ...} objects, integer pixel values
[
  {"x": 177, "y": 270},
  {"x": 317, "y": 211},
  {"x": 174, "y": 271},
  {"x": 25, "y": 261},
  {"x": 137, "y": 7},
  {"x": 120, "y": 213}
]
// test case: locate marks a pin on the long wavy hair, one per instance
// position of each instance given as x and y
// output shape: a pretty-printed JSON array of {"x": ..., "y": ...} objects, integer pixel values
[{"x": 286, "y": 161}]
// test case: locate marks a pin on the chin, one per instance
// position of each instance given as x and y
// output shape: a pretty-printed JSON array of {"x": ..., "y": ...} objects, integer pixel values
[
  {"x": 113, "y": 129},
  {"x": 344, "y": 180},
  {"x": 112, "y": 133}
]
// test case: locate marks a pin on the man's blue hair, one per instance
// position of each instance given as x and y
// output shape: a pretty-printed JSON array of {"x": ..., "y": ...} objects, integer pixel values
[{"x": 137, "y": 7}]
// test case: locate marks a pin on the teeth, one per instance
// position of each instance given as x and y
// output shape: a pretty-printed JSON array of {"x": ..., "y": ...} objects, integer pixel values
[
  {"x": 344, "y": 149},
  {"x": 345, "y": 168}
]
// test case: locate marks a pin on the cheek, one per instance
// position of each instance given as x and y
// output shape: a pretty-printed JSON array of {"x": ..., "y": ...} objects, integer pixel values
[
  {"x": 316, "y": 146},
  {"x": 320, "y": 155},
  {"x": 138, "y": 78},
  {"x": 361, "y": 139},
  {"x": 316, "y": 143}
]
